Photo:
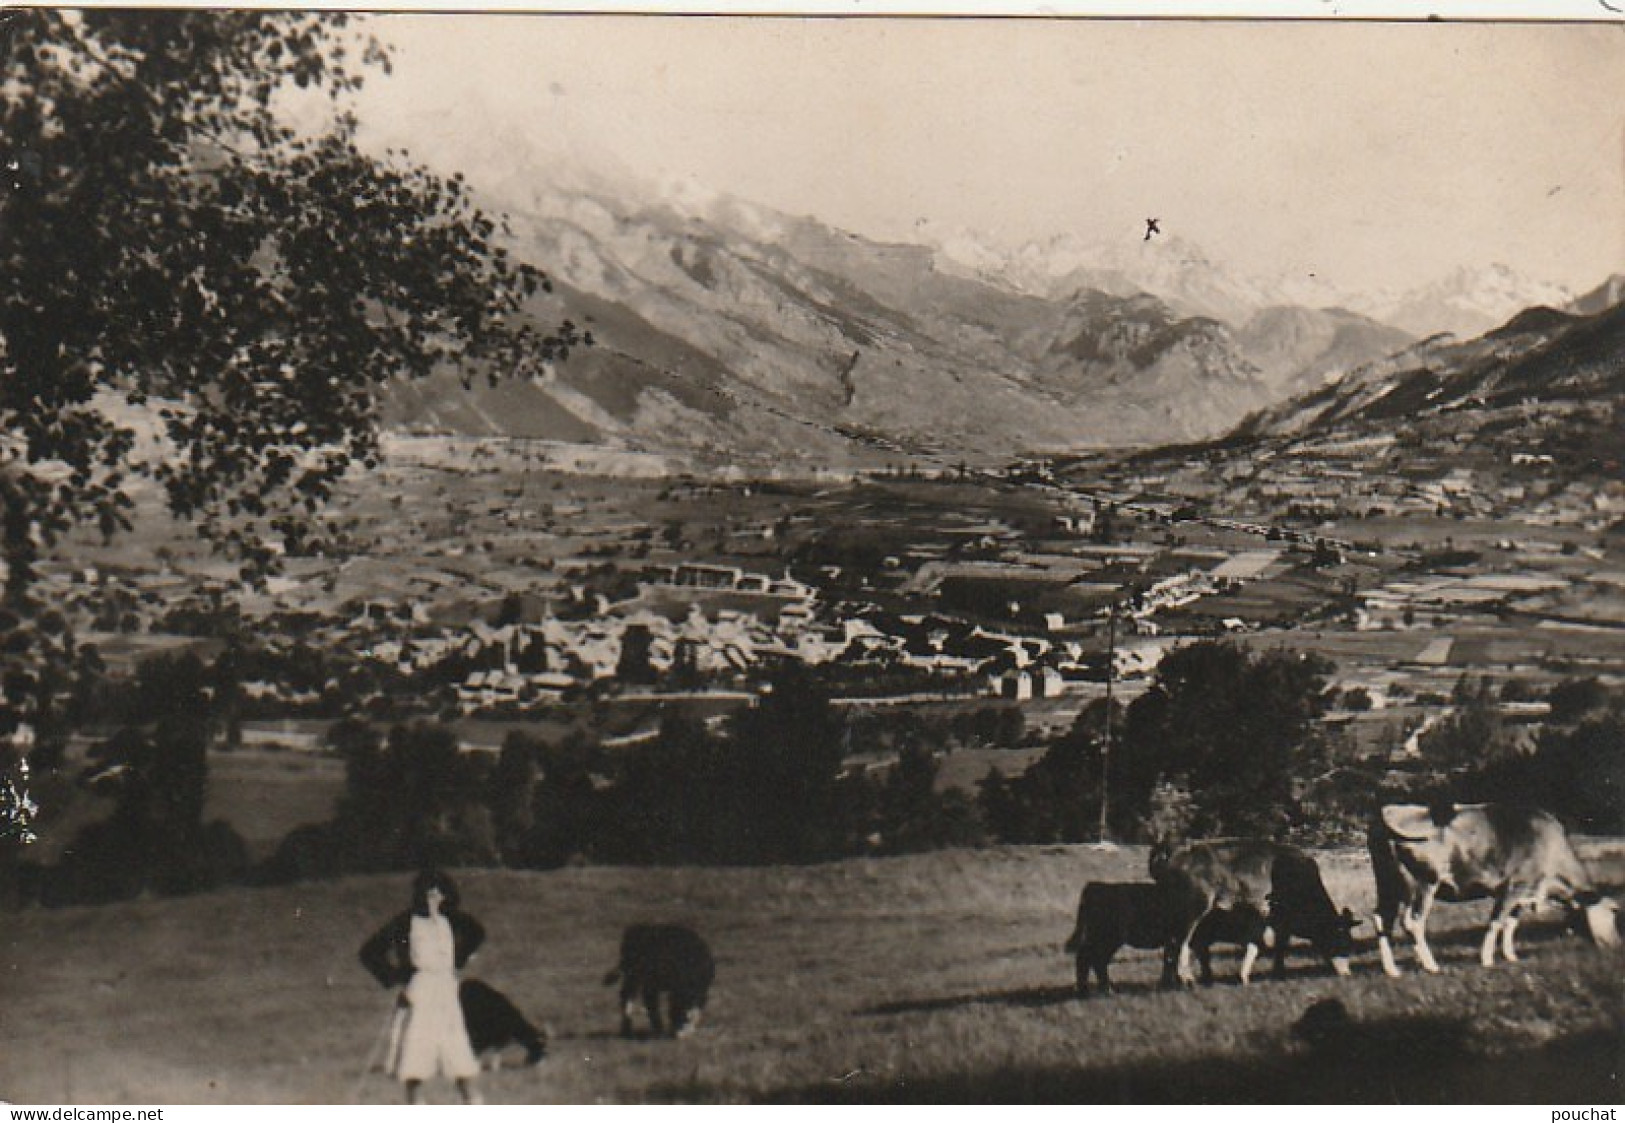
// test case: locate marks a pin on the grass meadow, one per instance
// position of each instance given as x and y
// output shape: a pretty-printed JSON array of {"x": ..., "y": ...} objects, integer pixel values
[{"x": 929, "y": 978}]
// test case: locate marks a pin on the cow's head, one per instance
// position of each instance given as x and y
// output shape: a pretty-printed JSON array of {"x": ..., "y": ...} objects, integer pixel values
[
  {"x": 1157, "y": 858},
  {"x": 1334, "y": 938},
  {"x": 1597, "y": 918}
]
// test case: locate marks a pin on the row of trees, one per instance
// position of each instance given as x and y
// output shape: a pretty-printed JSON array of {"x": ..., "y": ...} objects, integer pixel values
[
  {"x": 1223, "y": 742},
  {"x": 1230, "y": 743},
  {"x": 1574, "y": 766},
  {"x": 155, "y": 769},
  {"x": 773, "y": 785}
]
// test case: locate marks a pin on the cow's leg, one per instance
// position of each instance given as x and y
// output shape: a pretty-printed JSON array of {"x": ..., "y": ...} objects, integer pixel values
[
  {"x": 1084, "y": 966},
  {"x": 1508, "y": 950},
  {"x": 1204, "y": 957},
  {"x": 1170, "y": 960},
  {"x": 1255, "y": 941},
  {"x": 1283, "y": 936},
  {"x": 1247, "y": 959},
  {"x": 651, "y": 1005},
  {"x": 1416, "y": 922},
  {"x": 1394, "y": 889},
  {"x": 1102, "y": 965},
  {"x": 629, "y": 1006},
  {"x": 1385, "y": 925},
  {"x": 1187, "y": 977},
  {"x": 1392, "y": 918},
  {"x": 1514, "y": 911},
  {"x": 535, "y": 1045},
  {"x": 1499, "y": 916}
]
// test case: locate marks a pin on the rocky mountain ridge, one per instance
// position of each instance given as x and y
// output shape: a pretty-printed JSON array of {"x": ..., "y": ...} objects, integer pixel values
[{"x": 726, "y": 330}]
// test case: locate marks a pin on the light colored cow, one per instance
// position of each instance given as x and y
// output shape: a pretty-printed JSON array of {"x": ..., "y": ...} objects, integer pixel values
[{"x": 1520, "y": 856}]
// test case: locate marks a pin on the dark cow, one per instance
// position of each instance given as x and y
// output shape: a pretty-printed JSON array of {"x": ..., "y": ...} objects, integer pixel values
[
  {"x": 663, "y": 959},
  {"x": 1520, "y": 856},
  {"x": 1118, "y": 914},
  {"x": 494, "y": 1023},
  {"x": 1266, "y": 887}
]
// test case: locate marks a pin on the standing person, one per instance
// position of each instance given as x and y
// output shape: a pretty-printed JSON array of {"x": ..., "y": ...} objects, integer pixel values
[{"x": 424, "y": 949}]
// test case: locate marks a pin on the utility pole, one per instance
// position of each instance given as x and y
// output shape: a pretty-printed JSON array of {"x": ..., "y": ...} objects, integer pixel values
[{"x": 1106, "y": 740}]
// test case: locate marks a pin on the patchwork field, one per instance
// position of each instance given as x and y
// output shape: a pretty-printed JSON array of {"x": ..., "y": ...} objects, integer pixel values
[{"x": 929, "y": 978}]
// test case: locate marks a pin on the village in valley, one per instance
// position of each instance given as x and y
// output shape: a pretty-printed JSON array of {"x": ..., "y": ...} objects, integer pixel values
[{"x": 495, "y": 582}]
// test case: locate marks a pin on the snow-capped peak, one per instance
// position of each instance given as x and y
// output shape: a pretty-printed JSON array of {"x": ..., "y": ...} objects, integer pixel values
[
  {"x": 1467, "y": 301},
  {"x": 1168, "y": 266}
]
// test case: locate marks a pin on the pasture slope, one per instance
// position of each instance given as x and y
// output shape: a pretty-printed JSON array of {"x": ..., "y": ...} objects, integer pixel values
[{"x": 937, "y": 977}]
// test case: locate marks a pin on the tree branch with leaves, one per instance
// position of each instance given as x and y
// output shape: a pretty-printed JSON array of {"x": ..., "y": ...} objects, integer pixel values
[{"x": 208, "y": 292}]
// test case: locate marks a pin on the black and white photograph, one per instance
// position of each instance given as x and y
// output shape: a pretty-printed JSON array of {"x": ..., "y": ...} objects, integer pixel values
[{"x": 668, "y": 559}]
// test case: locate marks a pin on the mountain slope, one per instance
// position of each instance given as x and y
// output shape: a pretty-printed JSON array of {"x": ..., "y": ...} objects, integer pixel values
[
  {"x": 1601, "y": 298},
  {"x": 1299, "y": 349},
  {"x": 727, "y": 330},
  {"x": 1534, "y": 371},
  {"x": 1172, "y": 268}
]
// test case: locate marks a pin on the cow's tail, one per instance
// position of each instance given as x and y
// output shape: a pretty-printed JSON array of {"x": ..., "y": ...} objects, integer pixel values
[{"x": 613, "y": 977}]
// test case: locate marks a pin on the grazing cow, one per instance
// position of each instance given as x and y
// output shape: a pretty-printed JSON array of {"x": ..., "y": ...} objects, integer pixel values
[
  {"x": 494, "y": 1023},
  {"x": 663, "y": 959},
  {"x": 1266, "y": 887},
  {"x": 1520, "y": 856},
  {"x": 1611, "y": 934},
  {"x": 1118, "y": 914}
]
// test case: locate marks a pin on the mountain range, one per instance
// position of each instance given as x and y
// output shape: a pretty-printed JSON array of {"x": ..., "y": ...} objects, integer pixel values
[
  {"x": 1532, "y": 373},
  {"x": 728, "y": 331}
]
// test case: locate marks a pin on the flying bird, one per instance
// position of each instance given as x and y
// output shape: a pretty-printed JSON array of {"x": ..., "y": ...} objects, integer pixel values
[{"x": 1151, "y": 228}]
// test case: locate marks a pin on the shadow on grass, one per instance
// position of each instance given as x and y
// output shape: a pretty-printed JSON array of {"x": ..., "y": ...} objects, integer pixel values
[
  {"x": 1400, "y": 1060},
  {"x": 1301, "y": 963},
  {"x": 1419, "y": 1060},
  {"x": 1029, "y": 997},
  {"x": 1225, "y": 974},
  {"x": 638, "y": 1034}
]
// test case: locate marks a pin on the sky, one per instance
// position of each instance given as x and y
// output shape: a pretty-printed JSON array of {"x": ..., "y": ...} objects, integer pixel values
[{"x": 1376, "y": 156}]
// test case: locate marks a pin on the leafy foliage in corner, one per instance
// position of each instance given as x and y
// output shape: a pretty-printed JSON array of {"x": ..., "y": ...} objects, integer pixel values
[
  {"x": 169, "y": 237},
  {"x": 207, "y": 284}
]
